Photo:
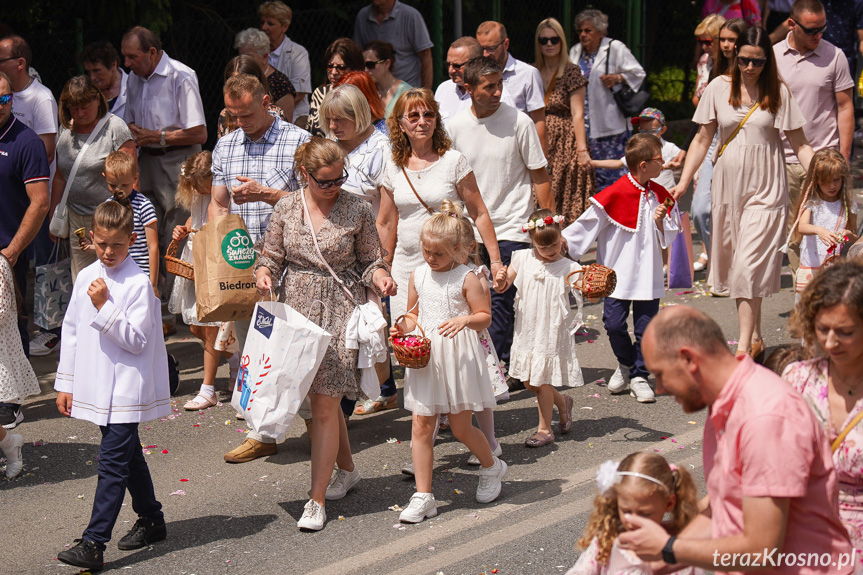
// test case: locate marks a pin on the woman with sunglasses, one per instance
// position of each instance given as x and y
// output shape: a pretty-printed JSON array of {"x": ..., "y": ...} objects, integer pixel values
[
  {"x": 320, "y": 219},
  {"x": 573, "y": 179},
  {"x": 749, "y": 109},
  {"x": 342, "y": 56},
  {"x": 423, "y": 171},
  {"x": 707, "y": 37},
  {"x": 380, "y": 57}
]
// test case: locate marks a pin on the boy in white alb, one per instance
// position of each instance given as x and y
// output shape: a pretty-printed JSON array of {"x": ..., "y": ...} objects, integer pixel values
[
  {"x": 630, "y": 222},
  {"x": 113, "y": 371}
]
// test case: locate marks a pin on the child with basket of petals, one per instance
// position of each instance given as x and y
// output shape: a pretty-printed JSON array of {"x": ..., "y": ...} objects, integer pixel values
[
  {"x": 543, "y": 350},
  {"x": 448, "y": 298}
]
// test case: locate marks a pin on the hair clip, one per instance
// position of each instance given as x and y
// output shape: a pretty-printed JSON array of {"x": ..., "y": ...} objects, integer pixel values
[{"x": 541, "y": 222}]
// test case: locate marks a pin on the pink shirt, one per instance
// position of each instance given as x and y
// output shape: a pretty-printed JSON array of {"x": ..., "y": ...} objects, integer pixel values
[
  {"x": 814, "y": 78},
  {"x": 762, "y": 440},
  {"x": 746, "y": 9}
]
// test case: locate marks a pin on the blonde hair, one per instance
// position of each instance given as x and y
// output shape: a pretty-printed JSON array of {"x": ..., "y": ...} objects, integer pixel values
[
  {"x": 348, "y": 102},
  {"x": 471, "y": 247},
  {"x": 604, "y": 523},
  {"x": 446, "y": 230},
  {"x": 546, "y": 235},
  {"x": 640, "y": 148},
  {"x": 825, "y": 165},
  {"x": 121, "y": 164},
  {"x": 564, "y": 61},
  {"x": 194, "y": 174},
  {"x": 113, "y": 216},
  {"x": 315, "y": 154},
  {"x": 710, "y": 26},
  {"x": 238, "y": 86},
  {"x": 276, "y": 10}
]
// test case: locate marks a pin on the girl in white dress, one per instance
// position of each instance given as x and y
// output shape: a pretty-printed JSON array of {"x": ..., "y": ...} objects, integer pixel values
[
  {"x": 543, "y": 350},
  {"x": 445, "y": 297},
  {"x": 193, "y": 193},
  {"x": 642, "y": 484},
  {"x": 825, "y": 217}
]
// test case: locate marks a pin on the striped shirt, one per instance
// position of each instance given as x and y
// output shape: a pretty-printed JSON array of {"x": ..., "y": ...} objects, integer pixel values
[
  {"x": 269, "y": 161},
  {"x": 143, "y": 214}
]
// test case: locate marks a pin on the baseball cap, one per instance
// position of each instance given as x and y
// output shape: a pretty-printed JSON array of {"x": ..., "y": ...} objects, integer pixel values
[{"x": 649, "y": 114}]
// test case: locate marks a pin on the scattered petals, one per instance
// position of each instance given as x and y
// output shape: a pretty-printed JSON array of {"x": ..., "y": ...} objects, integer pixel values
[
  {"x": 587, "y": 408},
  {"x": 38, "y": 443},
  {"x": 164, "y": 451},
  {"x": 178, "y": 492},
  {"x": 393, "y": 440},
  {"x": 341, "y": 517},
  {"x": 395, "y": 508},
  {"x": 692, "y": 422},
  {"x": 456, "y": 491},
  {"x": 184, "y": 480}
]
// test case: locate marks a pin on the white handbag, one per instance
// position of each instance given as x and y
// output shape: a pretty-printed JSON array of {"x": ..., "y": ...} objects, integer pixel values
[{"x": 59, "y": 226}]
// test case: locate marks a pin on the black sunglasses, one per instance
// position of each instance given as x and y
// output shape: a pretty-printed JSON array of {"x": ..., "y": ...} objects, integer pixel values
[
  {"x": 756, "y": 62},
  {"x": 339, "y": 67},
  {"x": 370, "y": 64},
  {"x": 555, "y": 40},
  {"x": 327, "y": 184},
  {"x": 455, "y": 66},
  {"x": 810, "y": 31}
]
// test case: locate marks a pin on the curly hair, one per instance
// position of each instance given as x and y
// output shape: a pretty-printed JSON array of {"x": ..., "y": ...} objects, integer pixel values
[
  {"x": 605, "y": 524},
  {"x": 196, "y": 177},
  {"x": 407, "y": 102},
  {"x": 841, "y": 283}
]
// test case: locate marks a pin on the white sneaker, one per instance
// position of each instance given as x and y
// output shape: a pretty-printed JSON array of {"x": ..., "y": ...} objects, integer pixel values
[
  {"x": 641, "y": 390},
  {"x": 341, "y": 483},
  {"x": 619, "y": 379},
  {"x": 14, "y": 459},
  {"x": 313, "y": 518},
  {"x": 490, "y": 481},
  {"x": 474, "y": 460},
  {"x": 44, "y": 343},
  {"x": 421, "y": 506}
]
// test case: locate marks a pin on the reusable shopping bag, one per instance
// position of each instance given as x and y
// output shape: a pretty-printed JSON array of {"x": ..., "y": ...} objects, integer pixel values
[{"x": 52, "y": 291}]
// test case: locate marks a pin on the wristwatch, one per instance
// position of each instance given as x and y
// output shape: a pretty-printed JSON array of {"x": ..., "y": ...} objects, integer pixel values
[
  {"x": 162, "y": 141},
  {"x": 668, "y": 553}
]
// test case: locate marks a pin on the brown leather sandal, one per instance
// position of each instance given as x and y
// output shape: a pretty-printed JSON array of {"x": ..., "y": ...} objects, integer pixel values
[{"x": 539, "y": 439}]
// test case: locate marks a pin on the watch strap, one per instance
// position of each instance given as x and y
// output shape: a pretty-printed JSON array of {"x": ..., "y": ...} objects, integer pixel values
[{"x": 668, "y": 553}]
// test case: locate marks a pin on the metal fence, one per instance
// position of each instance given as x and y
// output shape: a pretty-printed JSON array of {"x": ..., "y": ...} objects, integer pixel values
[{"x": 661, "y": 38}]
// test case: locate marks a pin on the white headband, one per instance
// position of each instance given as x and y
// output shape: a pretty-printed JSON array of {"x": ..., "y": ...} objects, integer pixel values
[{"x": 608, "y": 476}]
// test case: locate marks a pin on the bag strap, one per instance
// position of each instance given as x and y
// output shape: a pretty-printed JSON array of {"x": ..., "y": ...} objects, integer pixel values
[
  {"x": 309, "y": 223},
  {"x": 838, "y": 441},
  {"x": 425, "y": 205},
  {"x": 736, "y": 130},
  {"x": 71, "y": 177},
  {"x": 549, "y": 90}
]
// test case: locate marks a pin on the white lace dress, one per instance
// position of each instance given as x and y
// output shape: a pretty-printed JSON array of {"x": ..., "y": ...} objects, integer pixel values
[
  {"x": 543, "y": 346},
  {"x": 182, "y": 299},
  {"x": 17, "y": 380},
  {"x": 457, "y": 377}
]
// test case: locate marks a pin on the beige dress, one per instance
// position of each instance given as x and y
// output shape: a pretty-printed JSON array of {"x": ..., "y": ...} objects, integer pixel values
[
  {"x": 349, "y": 241},
  {"x": 749, "y": 194}
]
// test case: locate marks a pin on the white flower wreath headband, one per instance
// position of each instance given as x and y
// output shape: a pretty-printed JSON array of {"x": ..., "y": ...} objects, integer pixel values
[
  {"x": 541, "y": 222},
  {"x": 608, "y": 476}
]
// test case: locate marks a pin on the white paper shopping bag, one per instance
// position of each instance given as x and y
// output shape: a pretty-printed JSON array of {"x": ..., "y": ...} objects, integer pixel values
[{"x": 281, "y": 356}]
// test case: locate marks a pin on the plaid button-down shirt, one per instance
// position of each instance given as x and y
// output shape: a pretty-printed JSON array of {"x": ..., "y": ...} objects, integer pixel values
[{"x": 269, "y": 160}]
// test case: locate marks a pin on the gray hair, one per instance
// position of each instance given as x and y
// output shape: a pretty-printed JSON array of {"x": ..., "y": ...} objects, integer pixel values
[
  {"x": 595, "y": 17},
  {"x": 477, "y": 68},
  {"x": 253, "y": 38}
]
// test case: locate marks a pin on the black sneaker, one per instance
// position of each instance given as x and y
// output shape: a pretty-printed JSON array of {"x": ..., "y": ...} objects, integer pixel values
[
  {"x": 144, "y": 532},
  {"x": 85, "y": 554},
  {"x": 173, "y": 374},
  {"x": 10, "y": 415}
]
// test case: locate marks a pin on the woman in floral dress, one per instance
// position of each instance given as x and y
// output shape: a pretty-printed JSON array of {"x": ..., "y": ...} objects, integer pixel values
[
  {"x": 344, "y": 227},
  {"x": 829, "y": 317}
]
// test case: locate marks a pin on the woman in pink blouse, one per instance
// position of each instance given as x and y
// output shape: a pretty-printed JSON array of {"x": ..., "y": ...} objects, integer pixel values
[{"x": 829, "y": 317}]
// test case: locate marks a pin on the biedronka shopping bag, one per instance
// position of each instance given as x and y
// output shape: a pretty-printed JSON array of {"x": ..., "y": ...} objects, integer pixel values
[
  {"x": 223, "y": 257},
  {"x": 281, "y": 356}
]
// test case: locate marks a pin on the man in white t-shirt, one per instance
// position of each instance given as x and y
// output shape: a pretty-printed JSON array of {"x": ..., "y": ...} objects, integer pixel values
[{"x": 508, "y": 178}]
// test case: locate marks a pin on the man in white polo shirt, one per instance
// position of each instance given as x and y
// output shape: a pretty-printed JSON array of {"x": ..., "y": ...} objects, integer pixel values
[{"x": 509, "y": 179}]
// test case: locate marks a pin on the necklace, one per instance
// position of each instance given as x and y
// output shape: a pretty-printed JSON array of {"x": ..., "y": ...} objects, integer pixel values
[{"x": 850, "y": 390}]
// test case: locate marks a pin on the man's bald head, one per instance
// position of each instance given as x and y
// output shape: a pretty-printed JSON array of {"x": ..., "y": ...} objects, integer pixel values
[{"x": 683, "y": 326}]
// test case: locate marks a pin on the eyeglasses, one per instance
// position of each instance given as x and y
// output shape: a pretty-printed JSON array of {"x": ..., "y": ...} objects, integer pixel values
[
  {"x": 370, "y": 64},
  {"x": 414, "y": 117},
  {"x": 339, "y": 67},
  {"x": 708, "y": 42},
  {"x": 5, "y": 99},
  {"x": 491, "y": 49},
  {"x": 455, "y": 66},
  {"x": 555, "y": 40},
  {"x": 756, "y": 62},
  {"x": 810, "y": 31},
  {"x": 327, "y": 184}
]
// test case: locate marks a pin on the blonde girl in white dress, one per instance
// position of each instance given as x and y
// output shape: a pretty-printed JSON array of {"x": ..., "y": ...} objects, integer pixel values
[
  {"x": 193, "y": 193},
  {"x": 543, "y": 349},
  {"x": 445, "y": 297}
]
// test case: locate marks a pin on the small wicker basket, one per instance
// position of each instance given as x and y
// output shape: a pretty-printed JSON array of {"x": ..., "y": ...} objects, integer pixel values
[
  {"x": 175, "y": 265},
  {"x": 597, "y": 280},
  {"x": 415, "y": 357}
]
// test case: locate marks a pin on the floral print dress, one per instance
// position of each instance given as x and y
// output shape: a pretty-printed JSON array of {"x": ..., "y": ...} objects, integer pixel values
[
  {"x": 349, "y": 242},
  {"x": 810, "y": 379}
]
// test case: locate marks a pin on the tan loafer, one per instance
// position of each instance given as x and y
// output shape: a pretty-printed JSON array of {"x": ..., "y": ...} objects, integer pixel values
[{"x": 249, "y": 450}]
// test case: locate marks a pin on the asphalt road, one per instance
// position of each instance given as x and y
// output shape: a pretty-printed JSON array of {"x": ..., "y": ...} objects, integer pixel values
[{"x": 242, "y": 518}]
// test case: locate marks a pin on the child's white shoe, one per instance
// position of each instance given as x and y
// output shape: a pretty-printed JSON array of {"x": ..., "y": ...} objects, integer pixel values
[
  {"x": 641, "y": 390},
  {"x": 490, "y": 481},
  {"x": 14, "y": 459},
  {"x": 422, "y": 505},
  {"x": 474, "y": 460},
  {"x": 620, "y": 379}
]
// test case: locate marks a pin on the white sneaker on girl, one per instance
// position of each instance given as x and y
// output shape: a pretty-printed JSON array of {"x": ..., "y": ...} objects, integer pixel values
[
  {"x": 422, "y": 505},
  {"x": 474, "y": 460},
  {"x": 14, "y": 459},
  {"x": 313, "y": 518},
  {"x": 490, "y": 481}
]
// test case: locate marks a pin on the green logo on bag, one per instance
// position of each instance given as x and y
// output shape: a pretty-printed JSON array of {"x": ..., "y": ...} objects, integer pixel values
[{"x": 237, "y": 249}]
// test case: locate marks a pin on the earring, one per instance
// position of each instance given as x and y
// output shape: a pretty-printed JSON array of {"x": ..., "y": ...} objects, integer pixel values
[{"x": 667, "y": 517}]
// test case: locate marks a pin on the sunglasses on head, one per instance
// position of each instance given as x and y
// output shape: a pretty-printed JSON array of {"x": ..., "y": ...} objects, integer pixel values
[
  {"x": 756, "y": 62},
  {"x": 327, "y": 184},
  {"x": 370, "y": 64},
  {"x": 414, "y": 117},
  {"x": 339, "y": 67},
  {"x": 555, "y": 40},
  {"x": 5, "y": 99},
  {"x": 810, "y": 31}
]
